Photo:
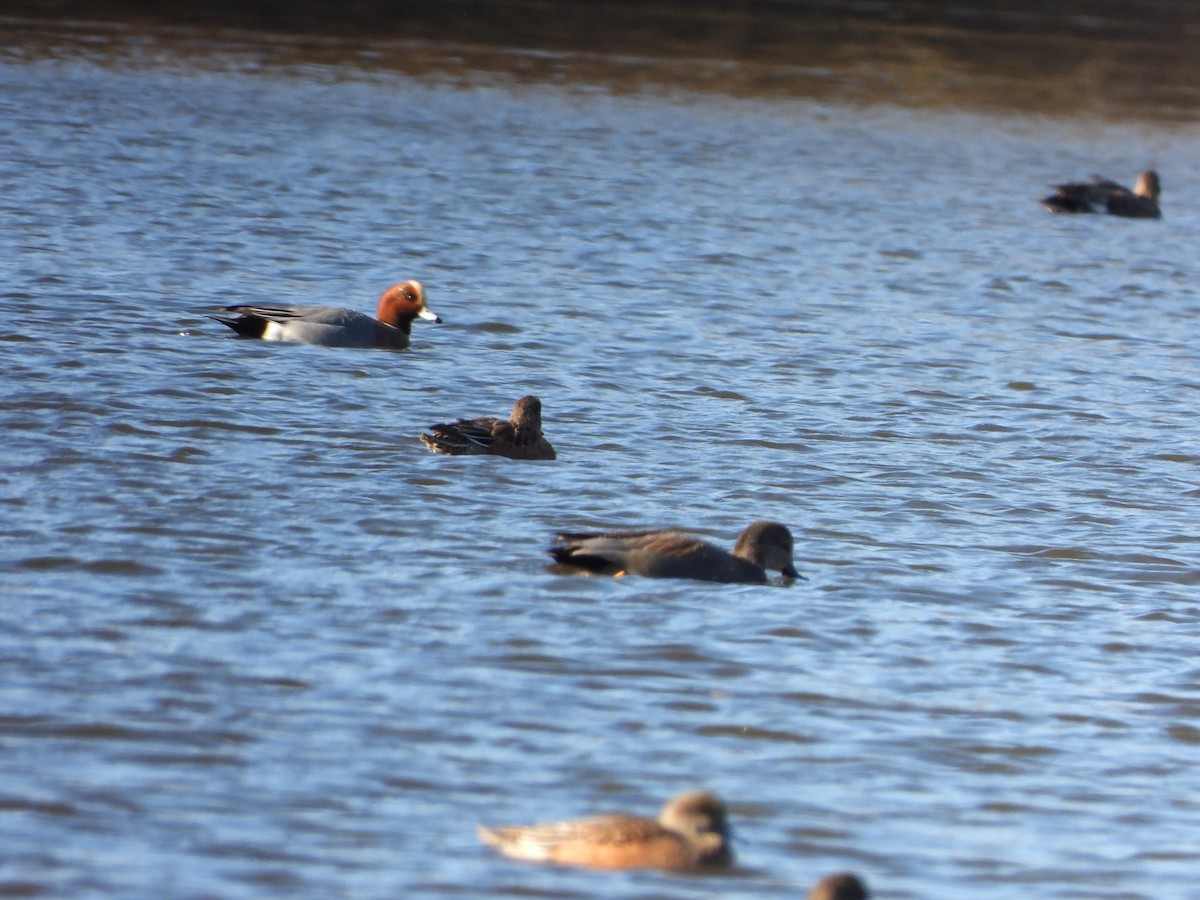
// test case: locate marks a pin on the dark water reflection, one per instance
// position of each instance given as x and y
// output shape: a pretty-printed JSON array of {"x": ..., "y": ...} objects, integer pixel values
[{"x": 1114, "y": 60}]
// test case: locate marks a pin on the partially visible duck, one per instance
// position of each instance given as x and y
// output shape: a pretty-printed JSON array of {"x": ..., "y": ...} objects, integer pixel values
[
  {"x": 1102, "y": 195},
  {"x": 842, "y": 886},
  {"x": 518, "y": 437},
  {"x": 674, "y": 554},
  {"x": 332, "y": 326},
  {"x": 691, "y": 833}
]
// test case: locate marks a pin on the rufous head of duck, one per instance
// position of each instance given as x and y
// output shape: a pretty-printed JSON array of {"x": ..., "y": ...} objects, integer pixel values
[{"x": 401, "y": 303}]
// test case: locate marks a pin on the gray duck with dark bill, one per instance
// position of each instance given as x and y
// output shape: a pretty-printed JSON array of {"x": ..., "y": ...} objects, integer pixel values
[{"x": 761, "y": 547}]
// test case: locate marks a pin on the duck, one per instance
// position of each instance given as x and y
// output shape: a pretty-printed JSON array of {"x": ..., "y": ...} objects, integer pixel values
[
  {"x": 691, "y": 833},
  {"x": 839, "y": 886},
  {"x": 675, "y": 554},
  {"x": 1103, "y": 195},
  {"x": 332, "y": 326},
  {"x": 517, "y": 437}
]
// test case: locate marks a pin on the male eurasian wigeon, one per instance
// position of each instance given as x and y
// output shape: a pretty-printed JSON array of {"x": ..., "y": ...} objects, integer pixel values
[
  {"x": 672, "y": 554},
  {"x": 842, "y": 886},
  {"x": 518, "y": 437},
  {"x": 1102, "y": 195},
  {"x": 690, "y": 833},
  {"x": 332, "y": 326}
]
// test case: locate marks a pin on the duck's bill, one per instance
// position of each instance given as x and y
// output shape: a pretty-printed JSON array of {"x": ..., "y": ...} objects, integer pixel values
[{"x": 430, "y": 315}]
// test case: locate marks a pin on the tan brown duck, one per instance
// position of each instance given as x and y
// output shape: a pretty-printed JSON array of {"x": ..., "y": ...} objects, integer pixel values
[
  {"x": 691, "y": 832},
  {"x": 518, "y": 437}
]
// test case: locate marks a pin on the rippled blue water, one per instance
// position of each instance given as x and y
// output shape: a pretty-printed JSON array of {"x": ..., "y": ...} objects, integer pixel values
[{"x": 258, "y": 642}]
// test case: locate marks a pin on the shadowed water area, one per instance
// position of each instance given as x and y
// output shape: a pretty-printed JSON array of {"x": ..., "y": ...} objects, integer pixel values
[{"x": 784, "y": 264}]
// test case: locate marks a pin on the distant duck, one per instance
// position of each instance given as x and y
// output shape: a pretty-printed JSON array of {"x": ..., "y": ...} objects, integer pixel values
[
  {"x": 1101, "y": 195},
  {"x": 518, "y": 437},
  {"x": 332, "y": 326},
  {"x": 691, "y": 833},
  {"x": 673, "y": 554},
  {"x": 842, "y": 886}
]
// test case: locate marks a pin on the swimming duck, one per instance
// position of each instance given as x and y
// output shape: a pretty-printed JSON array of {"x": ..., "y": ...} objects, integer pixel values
[
  {"x": 1102, "y": 195},
  {"x": 332, "y": 326},
  {"x": 842, "y": 886},
  {"x": 674, "y": 554},
  {"x": 690, "y": 833},
  {"x": 518, "y": 437}
]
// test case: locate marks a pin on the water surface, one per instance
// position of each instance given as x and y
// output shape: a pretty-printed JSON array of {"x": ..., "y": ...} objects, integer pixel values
[{"x": 258, "y": 642}]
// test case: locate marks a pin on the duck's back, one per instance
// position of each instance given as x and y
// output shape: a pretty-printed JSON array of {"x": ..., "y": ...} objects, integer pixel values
[
  {"x": 328, "y": 326},
  {"x": 602, "y": 842},
  {"x": 656, "y": 554}
]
